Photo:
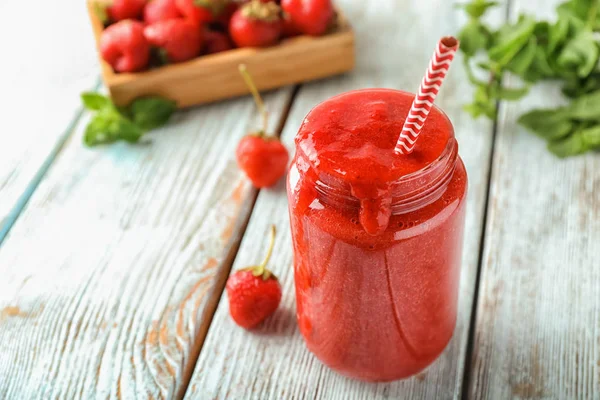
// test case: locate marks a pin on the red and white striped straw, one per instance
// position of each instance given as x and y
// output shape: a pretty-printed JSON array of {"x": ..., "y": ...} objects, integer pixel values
[{"x": 430, "y": 86}]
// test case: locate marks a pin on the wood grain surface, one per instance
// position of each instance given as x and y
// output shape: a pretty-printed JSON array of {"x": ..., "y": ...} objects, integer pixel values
[
  {"x": 45, "y": 65},
  {"x": 538, "y": 315},
  {"x": 116, "y": 262},
  {"x": 272, "y": 362},
  {"x": 108, "y": 275}
]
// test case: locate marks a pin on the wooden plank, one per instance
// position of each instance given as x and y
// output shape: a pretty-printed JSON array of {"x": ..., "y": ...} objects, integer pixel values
[
  {"x": 48, "y": 58},
  {"x": 273, "y": 363},
  {"x": 108, "y": 276},
  {"x": 538, "y": 314}
]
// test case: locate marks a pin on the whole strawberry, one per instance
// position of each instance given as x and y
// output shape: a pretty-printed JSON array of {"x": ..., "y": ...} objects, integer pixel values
[
  {"x": 256, "y": 24},
  {"x": 125, "y": 9},
  {"x": 160, "y": 10},
  {"x": 203, "y": 11},
  {"x": 178, "y": 39},
  {"x": 254, "y": 292},
  {"x": 263, "y": 158},
  {"x": 216, "y": 42},
  {"x": 124, "y": 46},
  {"x": 311, "y": 17}
]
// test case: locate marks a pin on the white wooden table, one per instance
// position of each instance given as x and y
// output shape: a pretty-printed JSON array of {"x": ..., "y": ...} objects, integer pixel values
[{"x": 113, "y": 260}]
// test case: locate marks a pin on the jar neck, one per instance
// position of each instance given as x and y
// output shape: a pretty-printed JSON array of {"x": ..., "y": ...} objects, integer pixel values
[{"x": 407, "y": 194}]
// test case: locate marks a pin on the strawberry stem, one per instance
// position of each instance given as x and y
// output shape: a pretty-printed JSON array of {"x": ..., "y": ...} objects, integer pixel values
[
  {"x": 261, "y": 270},
  {"x": 263, "y": 265},
  {"x": 257, "y": 99}
]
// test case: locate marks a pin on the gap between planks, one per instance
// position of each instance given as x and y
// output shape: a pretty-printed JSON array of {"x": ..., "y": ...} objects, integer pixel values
[
  {"x": 482, "y": 243},
  {"x": 219, "y": 283}
]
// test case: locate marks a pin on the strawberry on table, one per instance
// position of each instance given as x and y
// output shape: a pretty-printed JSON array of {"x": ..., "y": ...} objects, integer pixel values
[
  {"x": 178, "y": 39},
  {"x": 160, "y": 10},
  {"x": 262, "y": 157},
  {"x": 256, "y": 24},
  {"x": 124, "y": 46},
  {"x": 311, "y": 17},
  {"x": 254, "y": 292}
]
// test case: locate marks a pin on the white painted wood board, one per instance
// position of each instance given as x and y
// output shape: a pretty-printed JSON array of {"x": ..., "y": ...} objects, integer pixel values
[
  {"x": 48, "y": 58},
  {"x": 395, "y": 40},
  {"x": 538, "y": 315},
  {"x": 108, "y": 275}
]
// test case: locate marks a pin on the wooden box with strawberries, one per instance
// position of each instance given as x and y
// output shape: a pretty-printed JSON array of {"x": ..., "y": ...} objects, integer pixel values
[{"x": 189, "y": 50}]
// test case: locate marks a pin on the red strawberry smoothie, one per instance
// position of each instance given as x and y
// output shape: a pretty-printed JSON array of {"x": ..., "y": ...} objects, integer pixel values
[{"x": 377, "y": 236}]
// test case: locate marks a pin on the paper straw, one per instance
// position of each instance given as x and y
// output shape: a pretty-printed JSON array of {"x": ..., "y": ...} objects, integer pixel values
[{"x": 430, "y": 86}]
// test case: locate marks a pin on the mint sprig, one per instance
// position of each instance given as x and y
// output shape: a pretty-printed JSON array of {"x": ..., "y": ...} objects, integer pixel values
[
  {"x": 566, "y": 51},
  {"x": 111, "y": 124}
]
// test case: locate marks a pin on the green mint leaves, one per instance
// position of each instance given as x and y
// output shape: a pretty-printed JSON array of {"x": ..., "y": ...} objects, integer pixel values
[
  {"x": 94, "y": 101},
  {"x": 110, "y": 124},
  {"x": 567, "y": 51},
  {"x": 569, "y": 130},
  {"x": 151, "y": 112}
]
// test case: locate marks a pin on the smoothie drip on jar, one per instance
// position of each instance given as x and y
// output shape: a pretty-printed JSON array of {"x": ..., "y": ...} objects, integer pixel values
[{"x": 353, "y": 142}]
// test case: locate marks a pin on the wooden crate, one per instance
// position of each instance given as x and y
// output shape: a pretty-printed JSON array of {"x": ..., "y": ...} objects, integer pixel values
[{"x": 215, "y": 77}]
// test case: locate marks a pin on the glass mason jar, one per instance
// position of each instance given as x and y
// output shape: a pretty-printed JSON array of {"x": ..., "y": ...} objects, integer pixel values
[{"x": 376, "y": 275}]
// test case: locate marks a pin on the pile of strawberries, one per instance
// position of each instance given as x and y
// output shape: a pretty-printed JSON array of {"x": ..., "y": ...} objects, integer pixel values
[{"x": 144, "y": 33}]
